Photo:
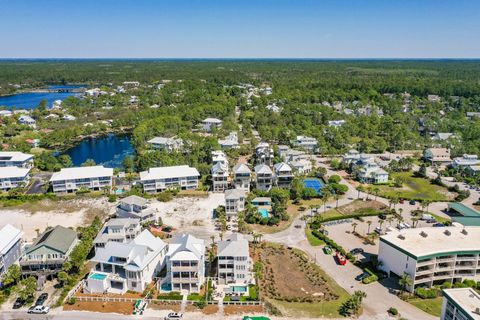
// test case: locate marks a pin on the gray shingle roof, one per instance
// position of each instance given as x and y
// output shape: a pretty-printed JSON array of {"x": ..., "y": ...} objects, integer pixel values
[{"x": 59, "y": 239}]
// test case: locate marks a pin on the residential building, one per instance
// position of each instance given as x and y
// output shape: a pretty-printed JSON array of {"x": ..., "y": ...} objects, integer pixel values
[
  {"x": 264, "y": 154},
  {"x": 10, "y": 247},
  {"x": 367, "y": 171},
  {"x": 121, "y": 267},
  {"x": 466, "y": 160},
  {"x": 210, "y": 123},
  {"x": 437, "y": 155},
  {"x": 230, "y": 142},
  {"x": 242, "y": 177},
  {"x": 234, "y": 263},
  {"x": 6, "y": 113},
  {"x": 69, "y": 117},
  {"x": 27, "y": 120},
  {"x": 168, "y": 144},
  {"x": 46, "y": 255},
  {"x": 135, "y": 207},
  {"x": 69, "y": 180},
  {"x": 263, "y": 177},
  {"x": 431, "y": 255},
  {"x": 470, "y": 115},
  {"x": 118, "y": 230},
  {"x": 186, "y": 263},
  {"x": 163, "y": 178},
  {"x": 444, "y": 136},
  {"x": 306, "y": 143},
  {"x": 220, "y": 177},
  {"x": 16, "y": 159},
  {"x": 301, "y": 166},
  {"x": 13, "y": 177},
  {"x": 219, "y": 156},
  {"x": 282, "y": 151},
  {"x": 351, "y": 156},
  {"x": 273, "y": 107},
  {"x": 460, "y": 304},
  {"x": 295, "y": 155},
  {"x": 336, "y": 123},
  {"x": 283, "y": 175},
  {"x": 433, "y": 98},
  {"x": 234, "y": 201},
  {"x": 131, "y": 83}
]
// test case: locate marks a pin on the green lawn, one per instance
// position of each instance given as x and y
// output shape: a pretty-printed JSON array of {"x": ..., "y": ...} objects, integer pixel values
[
  {"x": 431, "y": 306},
  {"x": 439, "y": 218},
  {"x": 413, "y": 188},
  {"x": 314, "y": 241}
]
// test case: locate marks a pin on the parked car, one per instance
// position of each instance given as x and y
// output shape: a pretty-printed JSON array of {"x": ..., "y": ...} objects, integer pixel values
[
  {"x": 341, "y": 259},
  {"x": 433, "y": 220},
  {"x": 38, "y": 309},
  {"x": 356, "y": 251},
  {"x": 378, "y": 230},
  {"x": 41, "y": 299},
  {"x": 426, "y": 216},
  {"x": 323, "y": 231},
  {"x": 327, "y": 250},
  {"x": 402, "y": 201},
  {"x": 382, "y": 216},
  {"x": 362, "y": 276},
  {"x": 174, "y": 315},
  {"x": 438, "y": 225},
  {"x": 298, "y": 226},
  {"x": 412, "y": 202},
  {"x": 18, "y": 303}
]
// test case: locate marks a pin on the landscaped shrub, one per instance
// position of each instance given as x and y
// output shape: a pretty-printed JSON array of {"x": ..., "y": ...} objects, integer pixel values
[
  {"x": 425, "y": 293},
  {"x": 470, "y": 283},
  {"x": 165, "y": 196},
  {"x": 371, "y": 278},
  {"x": 72, "y": 300},
  {"x": 393, "y": 311},
  {"x": 446, "y": 285}
]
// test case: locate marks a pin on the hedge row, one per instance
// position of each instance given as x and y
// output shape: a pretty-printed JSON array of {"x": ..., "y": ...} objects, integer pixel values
[{"x": 333, "y": 244}]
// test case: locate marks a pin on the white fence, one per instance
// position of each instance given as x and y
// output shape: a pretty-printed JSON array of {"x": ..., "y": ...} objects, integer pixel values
[{"x": 163, "y": 301}]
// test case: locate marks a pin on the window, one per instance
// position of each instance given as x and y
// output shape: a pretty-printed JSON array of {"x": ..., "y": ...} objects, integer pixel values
[{"x": 134, "y": 284}]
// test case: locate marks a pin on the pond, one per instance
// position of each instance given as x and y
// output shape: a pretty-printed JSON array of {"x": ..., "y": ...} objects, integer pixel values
[
  {"x": 30, "y": 100},
  {"x": 109, "y": 150}
]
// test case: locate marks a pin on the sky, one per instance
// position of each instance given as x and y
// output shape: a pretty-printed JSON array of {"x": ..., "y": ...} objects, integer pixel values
[{"x": 240, "y": 29}]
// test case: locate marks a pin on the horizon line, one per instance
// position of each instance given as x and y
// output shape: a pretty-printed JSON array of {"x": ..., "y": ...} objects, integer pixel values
[{"x": 242, "y": 58}]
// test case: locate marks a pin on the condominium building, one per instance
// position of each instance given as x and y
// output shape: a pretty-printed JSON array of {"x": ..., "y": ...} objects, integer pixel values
[
  {"x": 234, "y": 201},
  {"x": 16, "y": 159},
  {"x": 242, "y": 176},
  {"x": 168, "y": 144},
  {"x": 263, "y": 177},
  {"x": 13, "y": 177},
  {"x": 460, "y": 304},
  {"x": 118, "y": 230},
  {"x": 69, "y": 180},
  {"x": 163, "y": 178},
  {"x": 283, "y": 175},
  {"x": 432, "y": 255},
  {"x": 120, "y": 267},
  {"x": 234, "y": 263},
  {"x": 10, "y": 247},
  {"x": 186, "y": 263},
  {"x": 135, "y": 207}
]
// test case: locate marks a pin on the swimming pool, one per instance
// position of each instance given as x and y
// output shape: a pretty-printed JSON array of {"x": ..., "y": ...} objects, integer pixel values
[
  {"x": 231, "y": 289},
  {"x": 98, "y": 276},
  {"x": 263, "y": 212}
]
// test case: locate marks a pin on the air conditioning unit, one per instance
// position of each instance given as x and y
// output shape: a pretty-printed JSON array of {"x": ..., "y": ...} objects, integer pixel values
[{"x": 477, "y": 311}]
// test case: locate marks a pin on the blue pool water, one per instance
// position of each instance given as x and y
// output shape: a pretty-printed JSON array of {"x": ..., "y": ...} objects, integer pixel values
[
  {"x": 263, "y": 212},
  {"x": 315, "y": 184},
  {"x": 109, "y": 150},
  {"x": 98, "y": 276},
  {"x": 239, "y": 289}
]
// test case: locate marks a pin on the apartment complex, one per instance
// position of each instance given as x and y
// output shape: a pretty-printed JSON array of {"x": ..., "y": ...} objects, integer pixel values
[
  {"x": 16, "y": 159},
  {"x": 186, "y": 263},
  {"x": 432, "y": 255},
  {"x": 14, "y": 177},
  {"x": 10, "y": 247},
  {"x": 460, "y": 304},
  {"x": 234, "y": 262},
  {"x": 163, "y": 178},
  {"x": 69, "y": 180}
]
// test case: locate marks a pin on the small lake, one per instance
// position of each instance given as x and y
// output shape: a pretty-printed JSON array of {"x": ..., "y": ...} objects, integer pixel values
[
  {"x": 30, "y": 100},
  {"x": 109, "y": 150}
]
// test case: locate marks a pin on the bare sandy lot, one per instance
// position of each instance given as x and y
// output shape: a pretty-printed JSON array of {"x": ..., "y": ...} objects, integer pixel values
[{"x": 42, "y": 214}]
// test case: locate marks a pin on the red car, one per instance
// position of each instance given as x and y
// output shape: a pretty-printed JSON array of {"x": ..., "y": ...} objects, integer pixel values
[{"x": 341, "y": 259}]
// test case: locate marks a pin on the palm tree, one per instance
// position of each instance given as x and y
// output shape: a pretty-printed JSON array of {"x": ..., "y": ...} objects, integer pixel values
[
  {"x": 369, "y": 190},
  {"x": 400, "y": 210},
  {"x": 427, "y": 204},
  {"x": 376, "y": 191},
  {"x": 390, "y": 220},
  {"x": 405, "y": 281},
  {"x": 369, "y": 223},
  {"x": 415, "y": 222},
  {"x": 336, "y": 196},
  {"x": 381, "y": 223},
  {"x": 360, "y": 188},
  {"x": 354, "y": 226},
  {"x": 394, "y": 201}
]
